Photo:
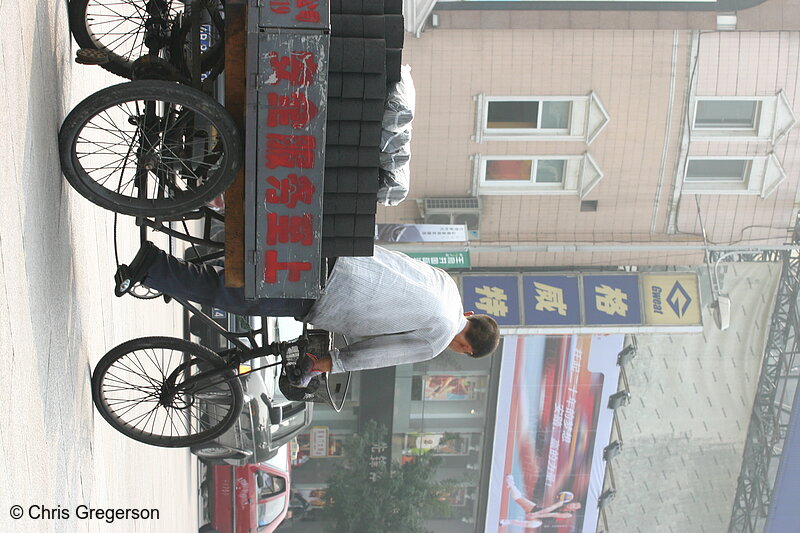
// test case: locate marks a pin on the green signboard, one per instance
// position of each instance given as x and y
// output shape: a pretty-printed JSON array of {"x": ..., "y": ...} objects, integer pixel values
[{"x": 445, "y": 260}]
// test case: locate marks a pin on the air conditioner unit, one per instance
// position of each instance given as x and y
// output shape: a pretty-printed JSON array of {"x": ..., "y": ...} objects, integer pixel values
[{"x": 453, "y": 210}]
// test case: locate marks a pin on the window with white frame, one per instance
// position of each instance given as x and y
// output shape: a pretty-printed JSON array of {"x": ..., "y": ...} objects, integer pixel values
[
  {"x": 537, "y": 174},
  {"x": 532, "y": 171},
  {"x": 524, "y": 118},
  {"x": 766, "y": 118},
  {"x": 730, "y": 172},
  {"x": 733, "y": 175},
  {"x": 727, "y": 114},
  {"x": 527, "y": 115}
]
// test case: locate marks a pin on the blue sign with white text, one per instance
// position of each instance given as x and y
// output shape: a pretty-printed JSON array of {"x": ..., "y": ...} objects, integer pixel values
[
  {"x": 496, "y": 296},
  {"x": 551, "y": 300},
  {"x": 609, "y": 300}
]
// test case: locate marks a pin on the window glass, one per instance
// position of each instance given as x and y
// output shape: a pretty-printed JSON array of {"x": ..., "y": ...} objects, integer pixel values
[
  {"x": 555, "y": 115},
  {"x": 720, "y": 114},
  {"x": 550, "y": 171},
  {"x": 718, "y": 170},
  {"x": 513, "y": 115},
  {"x": 524, "y": 114},
  {"x": 269, "y": 485},
  {"x": 270, "y": 510},
  {"x": 509, "y": 170}
]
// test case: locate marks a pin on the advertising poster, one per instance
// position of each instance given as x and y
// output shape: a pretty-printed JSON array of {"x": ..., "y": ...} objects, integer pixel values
[
  {"x": 552, "y": 425},
  {"x": 437, "y": 443},
  {"x": 421, "y": 233},
  {"x": 454, "y": 387}
]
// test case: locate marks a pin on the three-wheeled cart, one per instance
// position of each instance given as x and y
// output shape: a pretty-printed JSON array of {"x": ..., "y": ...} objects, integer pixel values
[{"x": 275, "y": 103}]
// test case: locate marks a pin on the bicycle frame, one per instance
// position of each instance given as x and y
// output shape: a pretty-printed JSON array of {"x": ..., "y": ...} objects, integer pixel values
[
  {"x": 160, "y": 32},
  {"x": 234, "y": 338},
  {"x": 204, "y": 213},
  {"x": 156, "y": 26},
  {"x": 242, "y": 353},
  {"x": 163, "y": 130}
]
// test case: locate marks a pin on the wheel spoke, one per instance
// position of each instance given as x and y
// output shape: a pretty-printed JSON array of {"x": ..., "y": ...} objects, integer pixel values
[
  {"x": 182, "y": 171},
  {"x": 140, "y": 372},
  {"x": 123, "y": 387},
  {"x": 134, "y": 22},
  {"x": 121, "y": 29},
  {"x": 133, "y": 392},
  {"x": 155, "y": 149}
]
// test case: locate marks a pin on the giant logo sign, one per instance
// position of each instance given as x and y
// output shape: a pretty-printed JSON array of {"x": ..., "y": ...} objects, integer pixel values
[{"x": 671, "y": 299}]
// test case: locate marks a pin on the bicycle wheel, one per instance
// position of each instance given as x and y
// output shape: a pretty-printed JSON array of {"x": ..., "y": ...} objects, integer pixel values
[
  {"x": 141, "y": 389},
  {"x": 149, "y": 148},
  {"x": 119, "y": 28}
]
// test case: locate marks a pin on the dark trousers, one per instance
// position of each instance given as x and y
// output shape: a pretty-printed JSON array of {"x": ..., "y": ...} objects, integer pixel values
[{"x": 205, "y": 284}]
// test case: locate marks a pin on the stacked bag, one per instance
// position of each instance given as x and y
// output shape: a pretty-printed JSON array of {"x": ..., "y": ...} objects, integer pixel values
[
  {"x": 394, "y": 172},
  {"x": 365, "y": 61}
]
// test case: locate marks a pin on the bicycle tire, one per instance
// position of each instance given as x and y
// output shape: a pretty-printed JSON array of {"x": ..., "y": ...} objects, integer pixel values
[
  {"x": 146, "y": 377},
  {"x": 121, "y": 63},
  {"x": 111, "y": 108},
  {"x": 212, "y": 61}
]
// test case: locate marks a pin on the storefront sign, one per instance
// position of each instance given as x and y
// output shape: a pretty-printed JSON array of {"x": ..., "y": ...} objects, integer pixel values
[
  {"x": 611, "y": 300},
  {"x": 551, "y": 300},
  {"x": 600, "y": 301},
  {"x": 319, "y": 442},
  {"x": 496, "y": 296},
  {"x": 671, "y": 299},
  {"x": 444, "y": 260}
]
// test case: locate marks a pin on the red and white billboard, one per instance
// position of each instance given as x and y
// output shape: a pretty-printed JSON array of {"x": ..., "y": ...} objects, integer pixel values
[{"x": 551, "y": 427}]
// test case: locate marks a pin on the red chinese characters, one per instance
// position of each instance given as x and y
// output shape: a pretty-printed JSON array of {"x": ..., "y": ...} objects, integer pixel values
[
  {"x": 272, "y": 266},
  {"x": 290, "y": 151},
  {"x": 290, "y": 228},
  {"x": 298, "y": 68},
  {"x": 290, "y": 143},
  {"x": 280, "y": 7},
  {"x": 290, "y": 190},
  {"x": 294, "y": 109},
  {"x": 308, "y": 11}
]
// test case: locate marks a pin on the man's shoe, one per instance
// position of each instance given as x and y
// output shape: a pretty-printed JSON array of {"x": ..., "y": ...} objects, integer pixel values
[
  {"x": 129, "y": 275},
  {"x": 91, "y": 56}
]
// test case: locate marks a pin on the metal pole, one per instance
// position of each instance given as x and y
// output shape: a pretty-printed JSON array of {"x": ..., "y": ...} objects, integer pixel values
[{"x": 561, "y": 247}]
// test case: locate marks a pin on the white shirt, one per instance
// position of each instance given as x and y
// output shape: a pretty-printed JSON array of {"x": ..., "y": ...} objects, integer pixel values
[{"x": 393, "y": 310}]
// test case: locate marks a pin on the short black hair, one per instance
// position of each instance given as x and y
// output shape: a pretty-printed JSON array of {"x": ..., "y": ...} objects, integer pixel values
[{"x": 483, "y": 335}]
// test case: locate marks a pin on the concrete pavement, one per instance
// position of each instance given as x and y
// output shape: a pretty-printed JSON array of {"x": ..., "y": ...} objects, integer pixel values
[{"x": 58, "y": 315}]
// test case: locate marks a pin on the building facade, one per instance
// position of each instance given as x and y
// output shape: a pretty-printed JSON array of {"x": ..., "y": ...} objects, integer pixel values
[
  {"x": 581, "y": 138},
  {"x": 604, "y": 147}
]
